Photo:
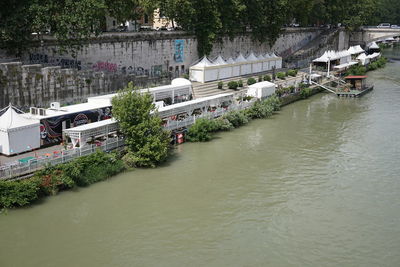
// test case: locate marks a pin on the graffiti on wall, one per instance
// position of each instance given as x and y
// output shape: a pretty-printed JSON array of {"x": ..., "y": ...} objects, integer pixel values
[
  {"x": 105, "y": 66},
  {"x": 38, "y": 58},
  {"x": 179, "y": 49}
]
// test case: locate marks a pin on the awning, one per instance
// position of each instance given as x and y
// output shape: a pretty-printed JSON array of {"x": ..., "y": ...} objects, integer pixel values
[{"x": 345, "y": 65}]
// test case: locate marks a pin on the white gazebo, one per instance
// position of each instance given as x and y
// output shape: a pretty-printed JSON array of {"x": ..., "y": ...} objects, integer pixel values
[{"x": 17, "y": 133}]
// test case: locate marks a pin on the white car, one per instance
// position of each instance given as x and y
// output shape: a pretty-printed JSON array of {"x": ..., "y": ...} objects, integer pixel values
[
  {"x": 395, "y": 26},
  {"x": 384, "y": 25}
]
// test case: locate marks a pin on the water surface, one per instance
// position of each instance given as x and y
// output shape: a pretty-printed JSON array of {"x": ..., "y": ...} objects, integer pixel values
[{"x": 316, "y": 185}]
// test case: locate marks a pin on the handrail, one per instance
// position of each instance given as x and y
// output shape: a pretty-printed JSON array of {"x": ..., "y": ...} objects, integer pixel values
[{"x": 323, "y": 86}]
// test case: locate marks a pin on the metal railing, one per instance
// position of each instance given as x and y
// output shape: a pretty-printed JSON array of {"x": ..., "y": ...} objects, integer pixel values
[{"x": 23, "y": 168}]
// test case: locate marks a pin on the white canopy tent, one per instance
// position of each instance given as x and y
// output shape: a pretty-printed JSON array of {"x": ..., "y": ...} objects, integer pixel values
[
  {"x": 245, "y": 65},
  {"x": 256, "y": 64},
  {"x": 225, "y": 70},
  {"x": 266, "y": 62},
  {"x": 17, "y": 133},
  {"x": 235, "y": 67},
  {"x": 203, "y": 71},
  {"x": 278, "y": 61},
  {"x": 363, "y": 59},
  {"x": 373, "y": 45},
  {"x": 355, "y": 50},
  {"x": 261, "y": 90},
  {"x": 373, "y": 56}
]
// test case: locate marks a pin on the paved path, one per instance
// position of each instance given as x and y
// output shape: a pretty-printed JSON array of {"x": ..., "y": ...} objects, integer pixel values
[
  {"x": 4, "y": 160},
  {"x": 211, "y": 88}
]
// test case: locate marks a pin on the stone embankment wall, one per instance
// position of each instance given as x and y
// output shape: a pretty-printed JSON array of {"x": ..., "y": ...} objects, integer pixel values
[
  {"x": 158, "y": 53},
  {"x": 35, "y": 85},
  {"x": 108, "y": 62}
]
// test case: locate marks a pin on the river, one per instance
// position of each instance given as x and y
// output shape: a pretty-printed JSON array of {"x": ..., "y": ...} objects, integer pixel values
[{"x": 316, "y": 185}]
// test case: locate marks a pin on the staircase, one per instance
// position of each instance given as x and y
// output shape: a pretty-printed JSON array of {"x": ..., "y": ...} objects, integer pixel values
[{"x": 315, "y": 48}]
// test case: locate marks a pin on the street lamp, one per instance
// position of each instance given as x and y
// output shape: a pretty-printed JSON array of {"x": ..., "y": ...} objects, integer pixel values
[{"x": 329, "y": 66}]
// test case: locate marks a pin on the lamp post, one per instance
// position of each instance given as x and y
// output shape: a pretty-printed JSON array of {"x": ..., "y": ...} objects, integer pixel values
[{"x": 329, "y": 66}]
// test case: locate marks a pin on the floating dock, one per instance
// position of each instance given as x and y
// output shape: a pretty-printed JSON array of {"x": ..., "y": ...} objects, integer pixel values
[{"x": 354, "y": 93}]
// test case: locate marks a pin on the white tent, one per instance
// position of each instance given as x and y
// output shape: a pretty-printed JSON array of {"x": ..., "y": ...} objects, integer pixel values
[
  {"x": 256, "y": 64},
  {"x": 272, "y": 62},
  {"x": 266, "y": 62},
  {"x": 373, "y": 56},
  {"x": 235, "y": 67},
  {"x": 363, "y": 59},
  {"x": 278, "y": 61},
  {"x": 224, "y": 69},
  {"x": 261, "y": 89},
  {"x": 373, "y": 45},
  {"x": 17, "y": 133},
  {"x": 245, "y": 66},
  {"x": 203, "y": 71},
  {"x": 355, "y": 50},
  {"x": 344, "y": 56}
]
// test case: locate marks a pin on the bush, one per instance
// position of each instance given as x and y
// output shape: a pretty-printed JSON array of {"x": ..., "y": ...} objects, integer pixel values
[
  {"x": 260, "y": 110},
  {"x": 233, "y": 85},
  {"x": 222, "y": 124},
  {"x": 236, "y": 118},
  {"x": 260, "y": 78},
  {"x": 305, "y": 93},
  {"x": 291, "y": 73},
  {"x": 373, "y": 66},
  {"x": 18, "y": 193},
  {"x": 240, "y": 83},
  {"x": 274, "y": 101},
  {"x": 356, "y": 70},
  {"x": 220, "y": 85},
  {"x": 281, "y": 75},
  {"x": 251, "y": 81},
  {"x": 267, "y": 78},
  {"x": 201, "y": 130}
]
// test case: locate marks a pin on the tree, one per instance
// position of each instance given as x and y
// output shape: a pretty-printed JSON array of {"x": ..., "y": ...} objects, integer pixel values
[{"x": 147, "y": 142}]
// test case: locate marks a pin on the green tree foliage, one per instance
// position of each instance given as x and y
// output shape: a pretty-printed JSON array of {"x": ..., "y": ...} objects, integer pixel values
[
  {"x": 146, "y": 140},
  {"x": 71, "y": 22}
]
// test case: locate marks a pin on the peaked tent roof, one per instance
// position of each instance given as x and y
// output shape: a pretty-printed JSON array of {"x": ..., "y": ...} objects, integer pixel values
[
  {"x": 230, "y": 61},
  {"x": 252, "y": 57},
  {"x": 219, "y": 61},
  {"x": 204, "y": 62},
  {"x": 261, "y": 57},
  {"x": 373, "y": 45},
  {"x": 362, "y": 56},
  {"x": 11, "y": 120},
  {"x": 358, "y": 49},
  {"x": 240, "y": 58},
  {"x": 274, "y": 55}
]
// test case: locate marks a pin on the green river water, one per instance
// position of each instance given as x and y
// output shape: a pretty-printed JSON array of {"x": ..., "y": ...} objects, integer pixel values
[{"x": 316, "y": 185}]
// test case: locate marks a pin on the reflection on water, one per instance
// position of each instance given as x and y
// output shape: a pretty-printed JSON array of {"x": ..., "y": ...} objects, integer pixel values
[{"x": 316, "y": 185}]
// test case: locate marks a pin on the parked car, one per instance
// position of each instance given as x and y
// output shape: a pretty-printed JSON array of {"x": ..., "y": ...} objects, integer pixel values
[
  {"x": 384, "y": 25},
  {"x": 395, "y": 26}
]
